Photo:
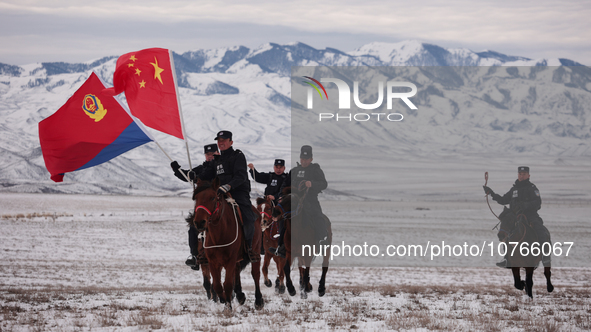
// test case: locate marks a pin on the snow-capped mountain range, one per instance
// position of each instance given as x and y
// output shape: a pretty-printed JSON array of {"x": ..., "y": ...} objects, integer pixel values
[{"x": 248, "y": 91}]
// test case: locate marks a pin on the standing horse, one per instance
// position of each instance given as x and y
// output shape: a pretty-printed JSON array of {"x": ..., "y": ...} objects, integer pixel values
[
  {"x": 514, "y": 228},
  {"x": 299, "y": 234},
  {"x": 270, "y": 228},
  {"x": 224, "y": 243}
]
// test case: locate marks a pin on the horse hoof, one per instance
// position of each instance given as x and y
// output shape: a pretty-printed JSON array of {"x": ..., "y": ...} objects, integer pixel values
[
  {"x": 241, "y": 298},
  {"x": 550, "y": 288},
  {"x": 228, "y": 308},
  {"x": 277, "y": 282},
  {"x": 259, "y": 304},
  {"x": 321, "y": 291},
  {"x": 268, "y": 283},
  {"x": 303, "y": 295},
  {"x": 281, "y": 289},
  {"x": 291, "y": 290}
]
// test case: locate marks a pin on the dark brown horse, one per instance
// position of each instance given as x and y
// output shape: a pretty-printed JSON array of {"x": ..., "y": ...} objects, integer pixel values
[
  {"x": 300, "y": 242},
  {"x": 270, "y": 230},
  {"x": 224, "y": 243},
  {"x": 515, "y": 229}
]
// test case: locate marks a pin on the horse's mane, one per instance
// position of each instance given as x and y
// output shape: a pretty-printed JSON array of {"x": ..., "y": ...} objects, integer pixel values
[
  {"x": 201, "y": 186},
  {"x": 286, "y": 191}
]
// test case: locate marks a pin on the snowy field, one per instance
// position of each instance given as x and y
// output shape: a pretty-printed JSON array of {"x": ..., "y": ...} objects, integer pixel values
[{"x": 111, "y": 263}]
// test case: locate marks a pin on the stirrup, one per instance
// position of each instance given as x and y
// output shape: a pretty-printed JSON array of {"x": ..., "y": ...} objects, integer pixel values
[
  {"x": 280, "y": 251},
  {"x": 191, "y": 261}
]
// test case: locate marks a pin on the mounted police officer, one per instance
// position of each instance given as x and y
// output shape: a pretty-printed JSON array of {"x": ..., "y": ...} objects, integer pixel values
[
  {"x": 210, "y": 151},
  {"x": 524, "y": 199},
  {"x": 230, "y": 168},
  {"x": 274, "y": 180},
  {"x": 307, "y": 180}
]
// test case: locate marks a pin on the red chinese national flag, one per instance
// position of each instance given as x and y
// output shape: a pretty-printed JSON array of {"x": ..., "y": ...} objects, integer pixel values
[{"x": 148, "y": 80}]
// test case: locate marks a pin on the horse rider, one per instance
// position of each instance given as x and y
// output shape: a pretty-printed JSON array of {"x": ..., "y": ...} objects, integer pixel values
[
  {"x": 307, "y": 180},
  {"x": 230, "y": 168},
  {"x": 210, "y": 151},
  {"x": 273, "y": 180},
  {"x": 524, "y": 199}
]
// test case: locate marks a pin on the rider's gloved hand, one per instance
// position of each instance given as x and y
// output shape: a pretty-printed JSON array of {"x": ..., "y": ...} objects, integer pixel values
[
  {"x": 488, "y": 191},
  {"x": 224, "y": 189},
  {"x": 175, "y": 165}
]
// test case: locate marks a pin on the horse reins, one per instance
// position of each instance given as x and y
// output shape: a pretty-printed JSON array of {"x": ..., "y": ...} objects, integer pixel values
[{"x": 486, "y": 195}]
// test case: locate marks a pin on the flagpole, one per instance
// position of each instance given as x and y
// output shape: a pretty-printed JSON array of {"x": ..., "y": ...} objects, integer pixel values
[
  {"x": 166, "y": 154},
  {"x": 178, "y": 99}
]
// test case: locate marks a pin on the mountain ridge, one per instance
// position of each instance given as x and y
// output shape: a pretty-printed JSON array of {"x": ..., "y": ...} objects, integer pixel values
[{"x": 471, "y": 99}]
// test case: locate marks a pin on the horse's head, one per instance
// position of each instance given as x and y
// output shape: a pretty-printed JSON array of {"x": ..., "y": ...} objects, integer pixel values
[
  {"x": 206, "y": 202},
  {"x": 508, "y": 222},
  {"x": 265, "y": 207},
  {"x": 284, "y": 206}
]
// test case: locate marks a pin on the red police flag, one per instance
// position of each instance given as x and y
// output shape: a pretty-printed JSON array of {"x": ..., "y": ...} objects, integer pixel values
[
  {"x": 147, "y": 77},
  {"x": 89, "y": 129}
]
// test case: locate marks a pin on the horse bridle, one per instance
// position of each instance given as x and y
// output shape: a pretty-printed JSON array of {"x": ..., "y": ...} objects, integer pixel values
[{"x": 217, "y": 208}]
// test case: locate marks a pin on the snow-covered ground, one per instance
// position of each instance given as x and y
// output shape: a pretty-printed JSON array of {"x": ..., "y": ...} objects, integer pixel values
[{"x": 107, "y": 263}]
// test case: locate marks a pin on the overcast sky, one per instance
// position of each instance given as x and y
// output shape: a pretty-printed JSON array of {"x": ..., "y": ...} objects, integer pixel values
[{"x": 79, "y": 31}]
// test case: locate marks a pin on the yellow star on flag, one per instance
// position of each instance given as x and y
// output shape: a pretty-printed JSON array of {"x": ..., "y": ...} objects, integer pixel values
[
  {"x": 133, "y": 58},
  {"x": 137, "y": 71},
  {"x": 157, "y": 70},
  {"x": 129, "y": 65},
  {"x": 142, "y": 84}
]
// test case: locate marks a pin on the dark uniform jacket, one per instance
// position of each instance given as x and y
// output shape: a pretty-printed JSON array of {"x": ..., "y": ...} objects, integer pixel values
[
  {"x": 523, "y": 196},
  {"x": 272, "y": 180},
  {"x": 315, "y": 175},
  {"x": 230, "y": 168}
]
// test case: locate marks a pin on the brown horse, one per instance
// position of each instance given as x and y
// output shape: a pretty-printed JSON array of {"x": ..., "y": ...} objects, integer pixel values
[
  {"x": 270, "y": 230},
  {"x": 515, "y": 229},
  {"x": 300, "y": 242},
  {"x": 224, "y": 243}
]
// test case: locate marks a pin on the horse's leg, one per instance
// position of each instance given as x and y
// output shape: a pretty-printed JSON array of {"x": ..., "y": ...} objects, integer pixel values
[
  {"x": 547, "y": 274},
  {"x": 229, "y": 285},
  {"x": 216, "y": 276},
  {"x": 240, "y": 296},
  {"x": 321, "y": 284},
  {"x": 279, "y": 283},
  {"x": 287, "y": 270},
  {"x": 529, "y": 281},
  {"x": 266, "y": 263},
  {"x": 206, "y": 282},
  {"x": 519, "y": 284},
  {"x": 255, "y": 271},
  {"x": 301, "y": 269},
  {"x": 306, "y": 282}
]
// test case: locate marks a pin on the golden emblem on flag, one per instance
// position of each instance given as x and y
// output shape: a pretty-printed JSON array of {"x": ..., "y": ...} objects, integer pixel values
[{"x": 93, "y": 107}]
